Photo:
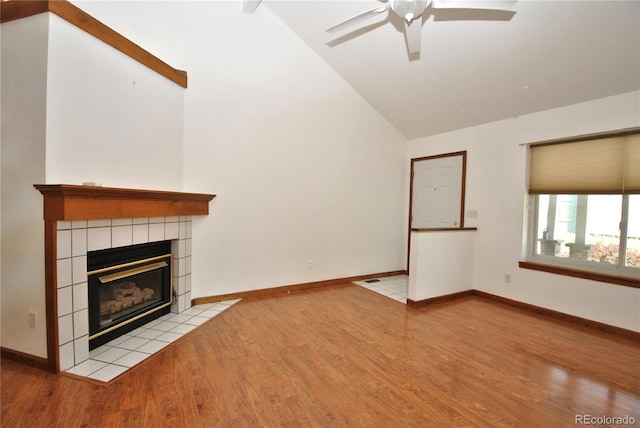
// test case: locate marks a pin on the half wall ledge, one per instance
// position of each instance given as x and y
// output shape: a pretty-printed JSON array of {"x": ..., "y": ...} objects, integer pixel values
[{"x": 75, "y": 202}]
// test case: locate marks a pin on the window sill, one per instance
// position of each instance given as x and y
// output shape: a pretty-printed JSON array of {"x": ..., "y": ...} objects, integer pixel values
[
  {"x": 593, "y": 276},
  {"x": 446, "y": 229}
]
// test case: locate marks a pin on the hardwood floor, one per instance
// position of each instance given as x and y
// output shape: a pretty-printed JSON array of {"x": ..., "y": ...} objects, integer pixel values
[{"x": 343, "y": 356}]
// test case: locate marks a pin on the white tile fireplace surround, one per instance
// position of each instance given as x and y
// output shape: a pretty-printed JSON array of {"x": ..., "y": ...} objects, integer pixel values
[
  {"x": 75, "y": 238},
  {"x": 79, "y": 219}
]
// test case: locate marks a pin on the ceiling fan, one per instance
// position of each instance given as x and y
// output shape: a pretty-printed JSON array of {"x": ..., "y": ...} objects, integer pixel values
[{"x": 411, "y": 12}]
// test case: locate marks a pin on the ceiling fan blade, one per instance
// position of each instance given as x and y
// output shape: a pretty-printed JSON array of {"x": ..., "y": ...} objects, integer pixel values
[
  {"x": 357, "y": 19},
  {"x": 474, "y": 4},
  {"x": 250, "y": 6},
  {"x": 413, "y": 34}
]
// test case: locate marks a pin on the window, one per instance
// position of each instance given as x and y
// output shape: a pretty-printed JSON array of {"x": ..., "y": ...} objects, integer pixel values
[{"x": 584, "y": 197}]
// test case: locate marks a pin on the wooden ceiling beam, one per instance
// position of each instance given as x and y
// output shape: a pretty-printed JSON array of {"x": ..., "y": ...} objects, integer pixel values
[{"x": 18, "y": 9}]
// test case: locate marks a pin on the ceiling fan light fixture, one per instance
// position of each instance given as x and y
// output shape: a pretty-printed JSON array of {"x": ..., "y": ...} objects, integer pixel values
[{"x": 408, "y": 9}]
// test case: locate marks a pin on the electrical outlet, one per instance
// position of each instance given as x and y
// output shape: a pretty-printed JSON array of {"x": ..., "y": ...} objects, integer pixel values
[
  {"x": 310, "y": 264},
  {"x": 507, "y": 278},
  {"x": 33, "y": 319}
]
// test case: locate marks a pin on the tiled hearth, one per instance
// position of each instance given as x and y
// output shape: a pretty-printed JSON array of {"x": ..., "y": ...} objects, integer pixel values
[
  {"x": 75, "y": 238},
  {"x": 110, "y": 360}
]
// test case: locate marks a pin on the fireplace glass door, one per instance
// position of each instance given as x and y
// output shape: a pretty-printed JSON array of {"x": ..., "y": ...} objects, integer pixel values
[{"x": 125, "y": 295}]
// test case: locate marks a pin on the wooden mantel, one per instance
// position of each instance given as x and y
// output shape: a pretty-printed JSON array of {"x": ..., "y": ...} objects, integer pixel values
[{"x": 74, "y": 202}]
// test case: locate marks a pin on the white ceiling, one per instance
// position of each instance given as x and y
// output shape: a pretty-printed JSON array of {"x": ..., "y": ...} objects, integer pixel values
[{"x": 547, "y": 55}]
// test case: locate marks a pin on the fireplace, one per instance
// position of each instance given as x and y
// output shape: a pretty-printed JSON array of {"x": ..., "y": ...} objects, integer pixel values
[
  {"x": 127, "y": 287},
  {"x": 82, "y": 219}
]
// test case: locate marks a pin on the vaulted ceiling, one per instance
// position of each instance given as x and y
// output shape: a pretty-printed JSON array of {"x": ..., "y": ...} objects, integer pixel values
[{"x": 475, "y": 66}]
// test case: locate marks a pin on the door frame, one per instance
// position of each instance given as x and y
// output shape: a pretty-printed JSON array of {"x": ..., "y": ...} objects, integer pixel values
[{"x": 462, "y": 196}]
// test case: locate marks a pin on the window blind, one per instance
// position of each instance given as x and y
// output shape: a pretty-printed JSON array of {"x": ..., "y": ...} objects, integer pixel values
[{"x": 606, "y": 165}]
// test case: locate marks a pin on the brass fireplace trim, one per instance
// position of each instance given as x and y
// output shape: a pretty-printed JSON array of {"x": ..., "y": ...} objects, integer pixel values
[
  {"x": 123, "y": 265},
  {"x": 130, "y": 272}
]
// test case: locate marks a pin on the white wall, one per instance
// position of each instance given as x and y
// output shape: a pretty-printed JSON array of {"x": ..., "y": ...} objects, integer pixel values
[
  {"x": 110, "y": 119},
  {"x": 24, "y": 68},
  {"x": 496, "y": 187},
  {"x": 303, "y": 167},
  {"x": 441, "y": 263}
]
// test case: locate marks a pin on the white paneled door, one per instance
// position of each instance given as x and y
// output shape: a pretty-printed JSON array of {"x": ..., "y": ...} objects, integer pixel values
[{"x": 437, "y": 192}]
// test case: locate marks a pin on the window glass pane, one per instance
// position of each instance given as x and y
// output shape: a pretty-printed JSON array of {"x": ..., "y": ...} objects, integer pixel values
[
  {"x": 633, "y": 232},
  {"x": 603, "y": 228},
  {"x": 580, "y": 227},
  {"x": 556, "y": 224}
]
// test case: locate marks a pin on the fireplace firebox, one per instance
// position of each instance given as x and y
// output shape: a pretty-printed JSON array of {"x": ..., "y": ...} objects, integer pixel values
[{"x": 128, "y": 287}]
